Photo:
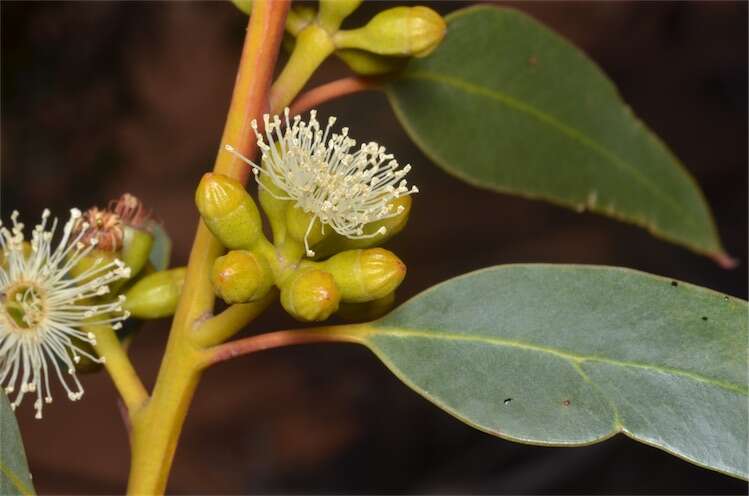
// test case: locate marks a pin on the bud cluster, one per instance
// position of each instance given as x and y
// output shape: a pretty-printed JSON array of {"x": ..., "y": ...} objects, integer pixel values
[{"x": 327, "y": 206}]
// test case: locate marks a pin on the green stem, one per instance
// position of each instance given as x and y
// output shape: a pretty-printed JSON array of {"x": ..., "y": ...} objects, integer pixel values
[
  {"x": 157, "y": 426},
  {"x": 224, "y": 325},
  {"x": 313, "y": 45},
  {"x": 119, "y": 367}
]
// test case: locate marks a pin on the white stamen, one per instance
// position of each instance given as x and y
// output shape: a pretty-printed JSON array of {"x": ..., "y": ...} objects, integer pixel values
[
  {"x": 318, "y": 171},
  {"x": 48, "y": 307}
]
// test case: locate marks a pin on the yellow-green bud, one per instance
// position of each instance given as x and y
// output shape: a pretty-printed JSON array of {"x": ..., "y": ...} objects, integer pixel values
[
  {"x": 368, "y": 310},
  {"x": 401, "y": 31},
  {"x": 366, "y": 275},
  {"x": 298, "y": 225},
  {"x": 333, "y": 12},
  {"x": 241, "y": 276},
  {"x": 335, "y": 243},
  {"x": 228, "y": 211},
  {"x": 94, "y": 257},
  {"x": 136, "y": 247},
  {"x": 274, "y": 208},
  {"x": 369, "y": 64},
  {"x": 243, "y": 5},
  {"x": 156, "y": 295},
  {"x": 310, "y": 295}
]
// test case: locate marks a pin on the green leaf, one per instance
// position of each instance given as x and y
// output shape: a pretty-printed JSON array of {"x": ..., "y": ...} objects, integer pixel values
[
  {"x": 506, "y": 104},
  {"x": 572, "y": 355},
  {"x": 14, "y": 470},
  {"x": 162, "y": 247}
]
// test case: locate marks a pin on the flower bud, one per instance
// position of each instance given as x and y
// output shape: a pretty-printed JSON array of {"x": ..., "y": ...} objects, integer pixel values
[
  {"x": 370, "y": 64},
  {"x": 335, "y": 243},
  {"x": 301, "y": 227},
  {"x": 274, "y": 208},
  {"x": 368, "y": 310},
  {"x": 365, "y": 275},
  {"x": 156, "y": 295},
  {"x": 243, "y": 5},
  {"x": 228, "y": 211},
  {"x": 241, "y": 276},
  {"x": 310, "y": 295},
  {"x": 95, "y": 257},
  {"x": 401, "y": 31},
  {"x": 136, "y": 247},
  {"x": 333, "y": 12}
]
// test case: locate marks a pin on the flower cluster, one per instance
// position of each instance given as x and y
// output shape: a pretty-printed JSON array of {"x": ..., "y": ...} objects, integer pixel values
[
  {"x": 47, "y": 302},
  {"x": 318, "y": 170}
]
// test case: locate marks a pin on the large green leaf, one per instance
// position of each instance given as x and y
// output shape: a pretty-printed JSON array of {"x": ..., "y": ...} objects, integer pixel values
[
  {"x": 506, "y": 104},
  {"x": 14, "y": 471},
  {"x": 571, "y": 355}
]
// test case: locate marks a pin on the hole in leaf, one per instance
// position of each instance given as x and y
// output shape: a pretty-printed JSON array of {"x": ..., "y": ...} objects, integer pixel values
[
  {"x": 674, "y": 283},
  {"x": 507, "y": 401},
  {"x": 704, "y": 318},
  {"x": 566, "y": 402}
]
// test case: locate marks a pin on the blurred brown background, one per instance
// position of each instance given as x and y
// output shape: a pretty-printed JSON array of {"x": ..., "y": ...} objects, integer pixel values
[{"x": 101, "y": 98}]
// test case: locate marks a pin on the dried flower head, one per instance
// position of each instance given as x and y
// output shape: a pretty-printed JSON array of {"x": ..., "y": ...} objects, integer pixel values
[
  {"x": 44, "y": 308},
  {"x": 106, "y": 227},
  {"x": 318, "y": 170}
]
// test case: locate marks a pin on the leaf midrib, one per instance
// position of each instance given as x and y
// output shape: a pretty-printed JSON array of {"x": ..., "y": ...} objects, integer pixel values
[
  {"x": 571, "y": 132},
  {"x": 11, "y": 476},
  {"x": 574, "y": 359}
]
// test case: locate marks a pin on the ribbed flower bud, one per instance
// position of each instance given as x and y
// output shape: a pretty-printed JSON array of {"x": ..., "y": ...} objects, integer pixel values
[
  {"x": 228, "y": 211},
  {"x": 310, "y": 295},
  {"x": 333, "y": 12},
  {"x": 365, "y": 275},
  {"x": 241, "y": 276},
  {"x": 156, "y": 295},
  {"x": 401, "y": 31},
  {"x": 368, "y": 310}
]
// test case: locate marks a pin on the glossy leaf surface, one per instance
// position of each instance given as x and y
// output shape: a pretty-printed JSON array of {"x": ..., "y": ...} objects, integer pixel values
[
  {"x": 14, "y": 470},
  {"x": 506, "y": 104},
  {"x": 571, "y": 355}
]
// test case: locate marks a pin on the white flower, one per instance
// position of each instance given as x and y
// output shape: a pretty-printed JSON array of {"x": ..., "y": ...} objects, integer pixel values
[
  {"x": 318, "y": 170},
  {"x": 43, "y": 307}
]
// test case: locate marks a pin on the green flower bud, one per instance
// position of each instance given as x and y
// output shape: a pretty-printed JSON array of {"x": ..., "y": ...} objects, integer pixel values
[
  {"x": 335, "y": 243},
  {"x": 156, "y": 295},
  {"x": 228, "y": 211},
  {"x": 368, "y": 310},
  {"x": 401, "y": 31},
  {"x": 243, "y": 5},
  {"x": 94, "y": 257},
  {"x": 370, "y": 64},
  {"x": 136, "y": 247},
  {"x": 310, "y": 295},
  {"x": 365, "y": 275},
  {"x": 241, "y": 276},
  {"x": 333, "y": 12},
  {"x": 274, "y": 208},
  {"x": 301, "y": 226}
]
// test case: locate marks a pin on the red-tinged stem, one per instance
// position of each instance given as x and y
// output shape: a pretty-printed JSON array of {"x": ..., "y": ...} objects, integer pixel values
[
  {"x": 280, "y": 339},
  {"x": 331, "y": 91}
]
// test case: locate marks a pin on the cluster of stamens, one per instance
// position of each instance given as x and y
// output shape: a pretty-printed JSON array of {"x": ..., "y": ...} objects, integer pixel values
[
  {"x": 45, "y": 309},
  {"x": 318, "y": 170}
]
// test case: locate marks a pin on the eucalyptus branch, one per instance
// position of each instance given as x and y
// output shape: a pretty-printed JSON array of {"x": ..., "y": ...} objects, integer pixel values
[
  {"x": 334, "y": 89},
  {"x": 156, "y": 428}
]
